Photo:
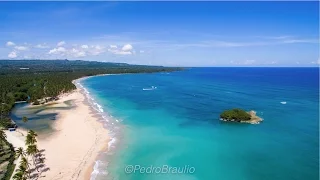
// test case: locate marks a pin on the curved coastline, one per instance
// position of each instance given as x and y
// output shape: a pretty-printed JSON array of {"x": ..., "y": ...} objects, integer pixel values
[
  {"x": 105, "y": 120},
  {"x": 79, "y": 136}
]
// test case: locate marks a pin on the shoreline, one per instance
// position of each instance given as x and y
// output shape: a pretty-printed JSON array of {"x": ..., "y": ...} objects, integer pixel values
[
  {"x": 78, "y": 138},
  {"x": 90, "y": 168}
]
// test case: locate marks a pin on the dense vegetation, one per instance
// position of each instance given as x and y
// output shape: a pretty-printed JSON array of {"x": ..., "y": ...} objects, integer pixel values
[
  {"x": 235, "y": 115},
  {"x": 30, "y": 80},
  {"x": 7, "y": 156}
]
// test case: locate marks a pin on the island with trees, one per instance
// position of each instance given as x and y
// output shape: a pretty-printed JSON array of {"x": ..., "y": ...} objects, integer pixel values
[{"x": 239, "y": 115}]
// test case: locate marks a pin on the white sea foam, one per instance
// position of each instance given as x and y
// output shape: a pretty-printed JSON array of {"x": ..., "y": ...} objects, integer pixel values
[
  {"x": 95, "y": 171},
  {"x": 111, "y": 142},
  {"x": 283, "y": 102},
  {"x": 100, "y": 109}
]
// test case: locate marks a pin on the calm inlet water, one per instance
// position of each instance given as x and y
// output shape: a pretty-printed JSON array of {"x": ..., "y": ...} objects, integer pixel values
[
  {"x": 172, "y": 119},
  {"x": 40, "y": 118}
]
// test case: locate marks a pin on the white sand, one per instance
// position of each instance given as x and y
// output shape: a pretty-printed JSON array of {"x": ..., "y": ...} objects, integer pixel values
[{"x": 74, "y": 146}]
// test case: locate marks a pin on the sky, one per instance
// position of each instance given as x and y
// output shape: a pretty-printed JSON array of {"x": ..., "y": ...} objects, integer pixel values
[{"x": 163, "y": 33}]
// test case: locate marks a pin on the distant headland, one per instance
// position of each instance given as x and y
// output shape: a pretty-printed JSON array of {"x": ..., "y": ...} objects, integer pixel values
[{"x": 239, "y": 115}]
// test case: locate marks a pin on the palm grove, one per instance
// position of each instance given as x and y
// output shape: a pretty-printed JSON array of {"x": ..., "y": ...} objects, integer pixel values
[{"x": 24, "y": 170}]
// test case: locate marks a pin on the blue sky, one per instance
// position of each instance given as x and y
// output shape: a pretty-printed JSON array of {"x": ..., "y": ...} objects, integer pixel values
[{"x": 163, "y": 33}]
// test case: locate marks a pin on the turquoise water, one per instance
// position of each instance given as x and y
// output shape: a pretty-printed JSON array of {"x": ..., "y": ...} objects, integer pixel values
[{"x": 176, "y": 123}]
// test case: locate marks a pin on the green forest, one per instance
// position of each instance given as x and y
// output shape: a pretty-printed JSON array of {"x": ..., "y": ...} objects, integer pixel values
[
  {"x": 235, "y": 114},
  {"x": 30, "y": 80}
]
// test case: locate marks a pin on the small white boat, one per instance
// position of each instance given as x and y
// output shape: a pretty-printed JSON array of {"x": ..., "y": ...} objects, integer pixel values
[
  {"x": 283, "y": 102},
  {"x": 150, "y": 89}
]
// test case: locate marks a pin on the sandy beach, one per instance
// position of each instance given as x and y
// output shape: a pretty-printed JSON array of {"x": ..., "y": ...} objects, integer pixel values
[{"x": 75, "y": 144}]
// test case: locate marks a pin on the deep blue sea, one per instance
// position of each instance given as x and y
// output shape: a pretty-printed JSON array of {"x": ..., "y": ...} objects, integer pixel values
[{"x": 172, "y": 120}]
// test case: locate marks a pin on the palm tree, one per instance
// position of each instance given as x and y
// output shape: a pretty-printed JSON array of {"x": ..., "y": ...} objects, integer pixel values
[
  {"x": 20, "y": 152},
  {"x": 31, "y": 138},
  {"x": 18, "y": 176},
  {"x": 33, "y": 133},
  {"x": 24, "y": 162},
  {"x": 24, "y": 119},
  {"x": 3, "y": 136},
  {"x": 32, "y": 150},
  {"x": 21, "y": 173}
]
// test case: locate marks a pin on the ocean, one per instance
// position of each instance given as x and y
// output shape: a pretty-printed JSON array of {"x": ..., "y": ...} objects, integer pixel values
[{"x": 171, "y": 120}]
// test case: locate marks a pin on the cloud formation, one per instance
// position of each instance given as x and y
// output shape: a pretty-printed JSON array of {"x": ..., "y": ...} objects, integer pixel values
[
  {"x": 113, "y": 46},
  {"x": 59, "y": 50},
  {"x": 42, "y": 46},
  {"x": 77, "y": 53},
  {"x": 61, "y": 43},
  {"x": 21, "y": 48},
  {"x": 85, "y": 46},
  {"x": 248, "y": 62},
  {"x": 10, "y": 43},
  {"x": 127, "y": 49},
  {"x": 12, "y": 54}
]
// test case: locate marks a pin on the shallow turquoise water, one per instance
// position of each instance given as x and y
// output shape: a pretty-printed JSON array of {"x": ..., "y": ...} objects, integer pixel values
[{"x": 177, "y": 123}]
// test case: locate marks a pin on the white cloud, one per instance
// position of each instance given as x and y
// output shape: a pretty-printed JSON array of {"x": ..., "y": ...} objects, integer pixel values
[
  {"x": 127, "y": 47},
  {"x": 292, "y": 41},
  {"x": 141, "y": 51},
  {"x": 12, "y": 54},
  {"x": 61, "y": 43},
  {"x": 120, "y": 52},
  {"x": 113, "y": 46},
  {"x": 316, "y": 62},
  {"x": 76, "y": 53},
  {"x": 10, "y": 43},
  {"x": 81, "y": 54},
  {"x": 98, "y": 47},
  {"x": 125, "y": 50},
  {"x": 42, "y": 46},
  {"x": 96, "y": 50},
  {"x": 21, "y": 48},
  {"x": 84, "y": 46},
  {"x": 249, "y": 62},
  {"x": 58, "y": 50}
]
